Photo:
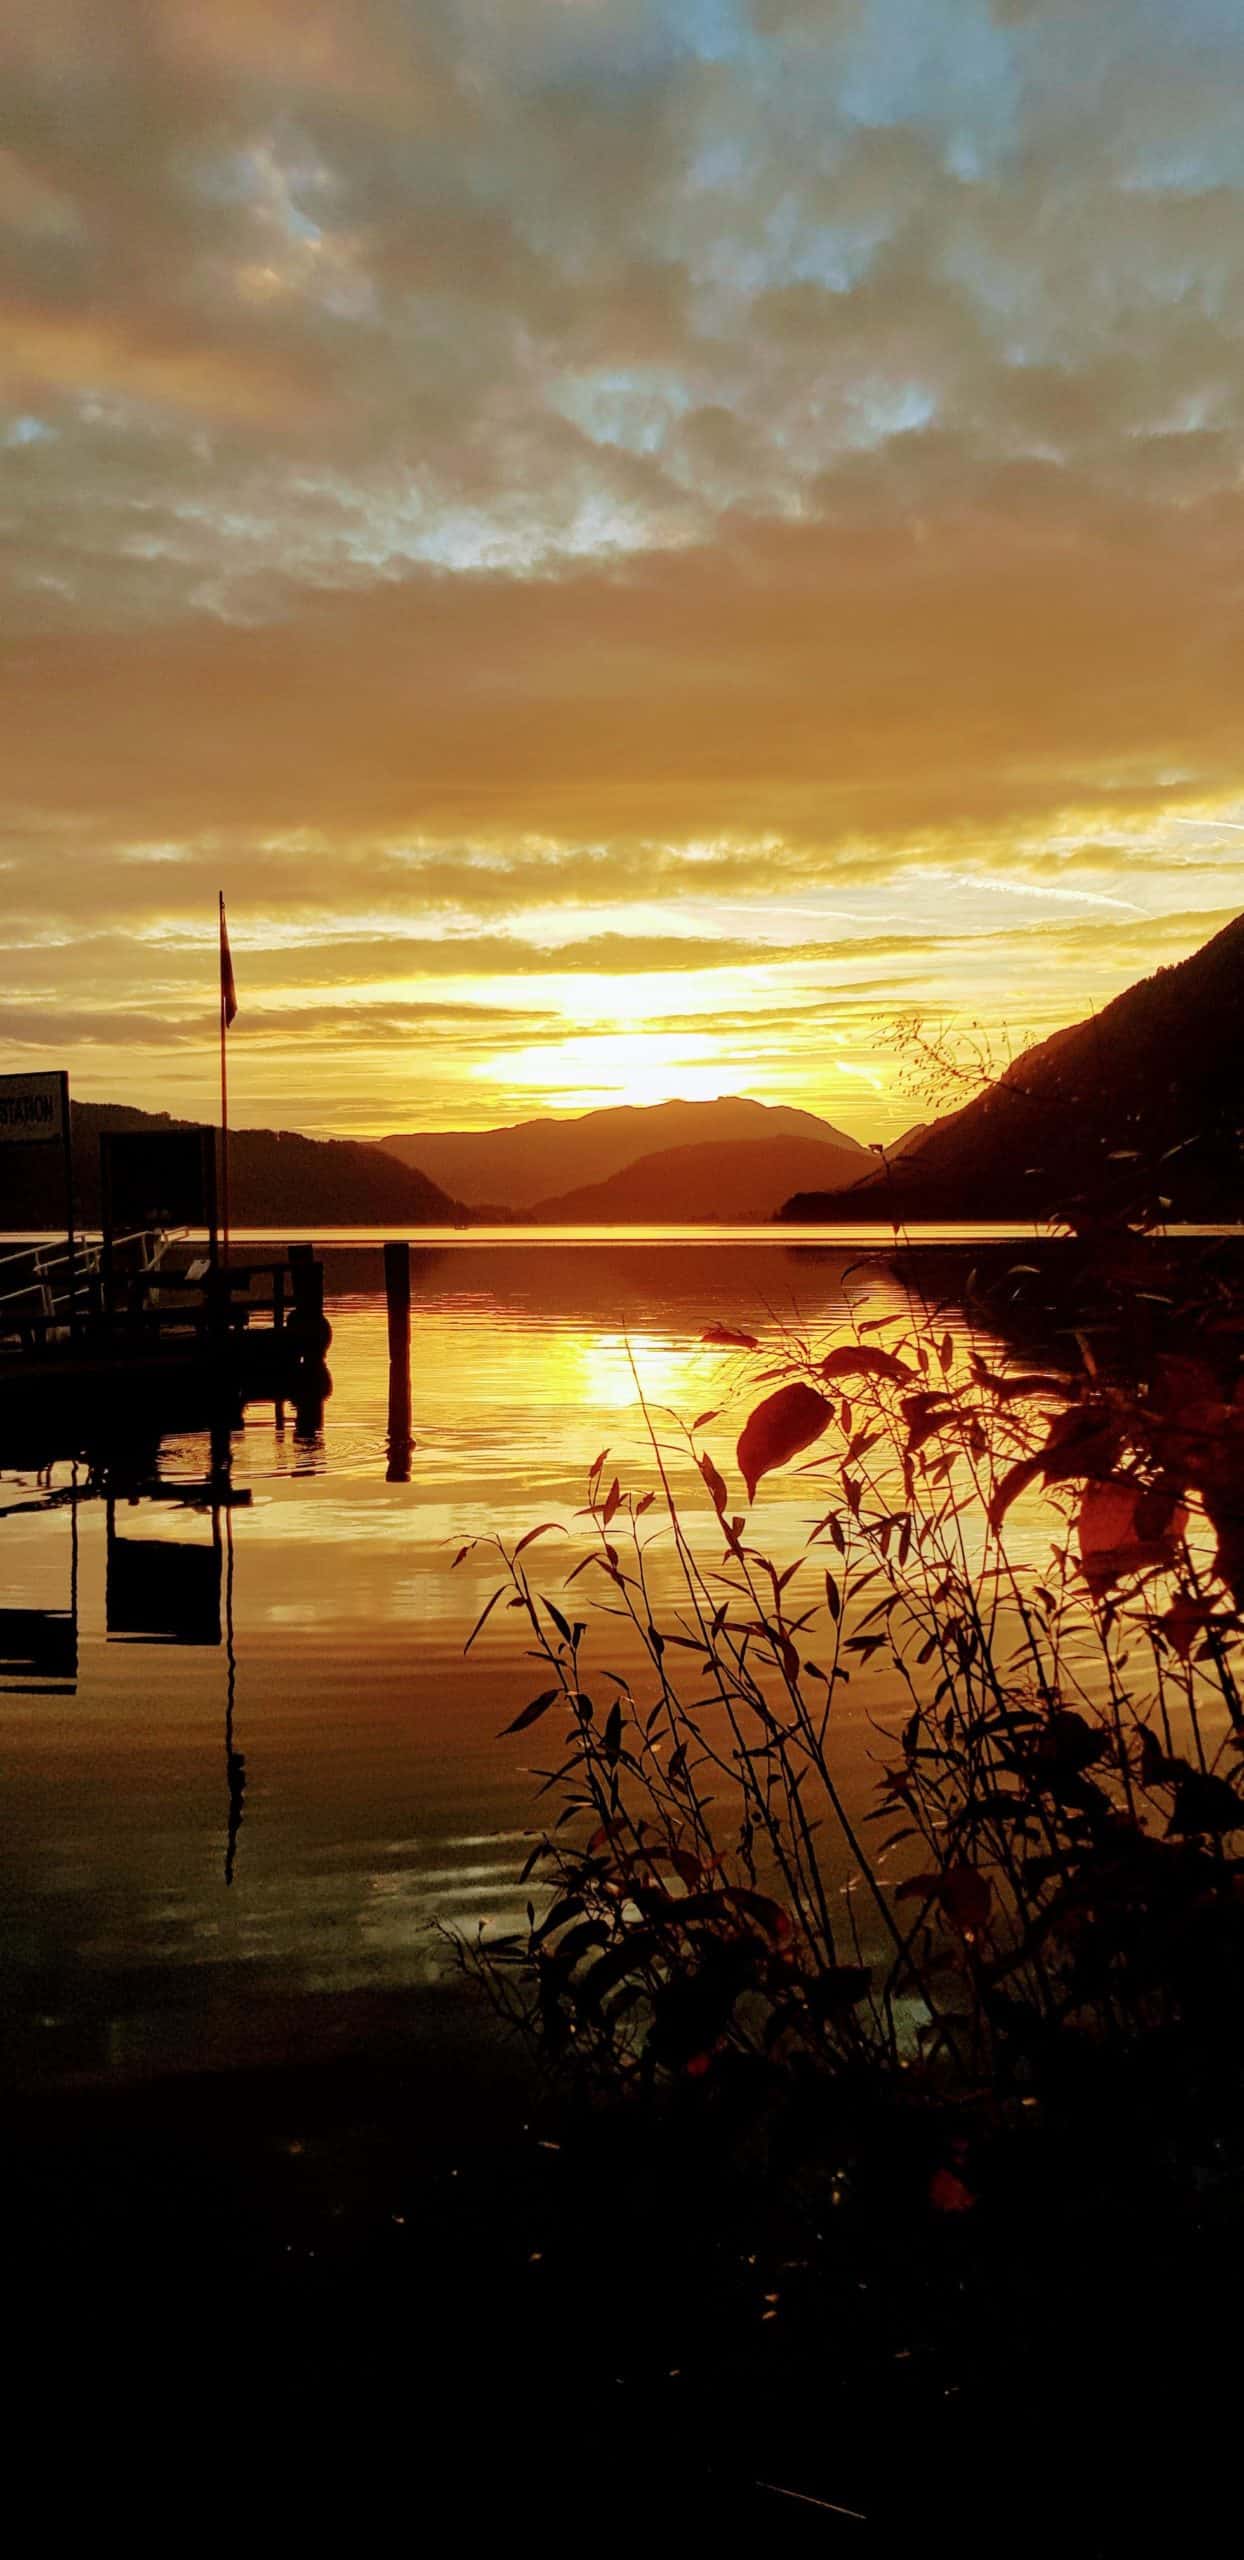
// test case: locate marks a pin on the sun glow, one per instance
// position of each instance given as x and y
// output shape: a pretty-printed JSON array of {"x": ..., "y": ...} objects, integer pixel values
[
  {"x": 619, "y": 1067},
  {"x": 604, "y": 1376}
]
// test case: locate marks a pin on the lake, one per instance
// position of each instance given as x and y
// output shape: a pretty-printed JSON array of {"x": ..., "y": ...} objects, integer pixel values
[{"x": 145, "y": 1932}]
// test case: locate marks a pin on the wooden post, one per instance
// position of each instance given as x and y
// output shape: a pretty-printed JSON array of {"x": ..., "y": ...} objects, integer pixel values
[
  {"x": 311, "y": 1335},
  {"x": 306, "y": 1277},
  {"x": 397, "y": 1300}
]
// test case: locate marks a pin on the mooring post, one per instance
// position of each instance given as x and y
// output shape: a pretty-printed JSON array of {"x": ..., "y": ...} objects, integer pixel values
[
  {"x": 306, "y": 1280},
  {"x": 308, "y": 1329},
  {"x": 397, "y": 1301}
]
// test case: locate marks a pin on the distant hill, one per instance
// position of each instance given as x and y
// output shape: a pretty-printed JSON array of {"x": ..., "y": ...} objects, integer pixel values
[
  {"x": 740, "y": 1182},
  {"x": 537, "y": 1159},
  {"x": 1142, "y": 1105},
  {"x": 276, "y": 1178},
  {"x": 913, "y": 1137}
]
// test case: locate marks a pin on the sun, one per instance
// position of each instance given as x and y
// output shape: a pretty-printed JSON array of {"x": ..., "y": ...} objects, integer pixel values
[{"x": 602, "y": 1068}]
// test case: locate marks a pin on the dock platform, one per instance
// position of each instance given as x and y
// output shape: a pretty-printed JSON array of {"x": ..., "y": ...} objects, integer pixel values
[{"x": 164, "y": 1339}]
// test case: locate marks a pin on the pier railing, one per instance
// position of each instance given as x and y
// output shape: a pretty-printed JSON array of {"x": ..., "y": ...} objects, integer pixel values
[
  {"x": 43, "y": 1286},
  {"x": 130, "y": 1293},
  {"x": 46, "y": 1287}
]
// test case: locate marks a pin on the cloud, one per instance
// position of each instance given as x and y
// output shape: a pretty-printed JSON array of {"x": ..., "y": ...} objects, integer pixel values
[
  {"x": 832, "y": 677},
  {"x": 491, "y": 486}
]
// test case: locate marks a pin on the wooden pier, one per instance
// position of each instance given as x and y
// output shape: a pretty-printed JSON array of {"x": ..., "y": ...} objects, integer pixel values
[{"x": 147, "y": 1333}]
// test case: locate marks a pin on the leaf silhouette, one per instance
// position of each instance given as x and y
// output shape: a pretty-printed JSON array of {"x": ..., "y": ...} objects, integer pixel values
[
  {"x": 758, "y": 1907},
  {"x": 716, "y": 1485},
  {"x": 1079, "y": 1444},
  {"x": 962, "y": 1891},
  {"x": 1185, "y": 1622},
  {"x": 723, "y": 1337},
  {"x": 1010, "y": 1486},
  {"x": 1066, "y": 1744},
  {"x": 626, "y": 1956},
  {"x": 722, "y": 1904},
  {"x": 544, "y": 1530},
  {"x": 1033, "y": 1383},
  {"x": 531, "y": 1715},
  {"x": 924, "y": 1415},
  {"x": 1206, "y": 1804},
  {"x": 964, "y": 1896},
  {"x": 1157, "y": 1769},
  {"x": 1124, "y": 1527},
  {"x": 485, "y": 1612},
  {"x": 779, "y": 1428},
  {"x": 866, "y": 1360}
]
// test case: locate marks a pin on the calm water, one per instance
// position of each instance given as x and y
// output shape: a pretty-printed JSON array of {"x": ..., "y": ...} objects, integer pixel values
[{"x": 379, "y": 1802}]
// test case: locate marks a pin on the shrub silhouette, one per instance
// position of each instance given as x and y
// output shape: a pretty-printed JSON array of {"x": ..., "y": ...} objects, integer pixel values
[{"x": 1031, "y": 1580}]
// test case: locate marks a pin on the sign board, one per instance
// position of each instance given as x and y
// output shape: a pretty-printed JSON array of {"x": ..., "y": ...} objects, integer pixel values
[{"x": 34, "y": 1110}]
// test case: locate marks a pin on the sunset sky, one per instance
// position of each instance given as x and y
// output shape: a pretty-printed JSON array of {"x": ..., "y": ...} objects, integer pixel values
[{"x": 635, "y": 539}]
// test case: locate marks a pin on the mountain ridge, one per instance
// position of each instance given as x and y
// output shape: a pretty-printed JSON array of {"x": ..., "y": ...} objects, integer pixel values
[
  {"x": 517, "y": 1167},
  {"x": 1142, "y": 1104},
  {"x": 737, "y": 1182},
  {"x": 276, "y": 1176}
]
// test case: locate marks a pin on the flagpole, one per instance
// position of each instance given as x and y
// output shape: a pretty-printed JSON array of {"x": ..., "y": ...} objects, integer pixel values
[{"x": 224, "y": 1094}]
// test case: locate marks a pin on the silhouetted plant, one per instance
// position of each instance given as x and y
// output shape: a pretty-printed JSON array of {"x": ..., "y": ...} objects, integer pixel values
[
  {"x": 1057, "y": 1718},
  {"x": 943, "y": 1063}
]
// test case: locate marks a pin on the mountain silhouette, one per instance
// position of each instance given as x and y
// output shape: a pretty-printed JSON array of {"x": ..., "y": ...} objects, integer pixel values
[
  {"x": 1139, "y": 1108},
  {"x": 740, "y": 1182},
  {"x": 276, "y": 1178},
  {"x": 538, "y": 1160}
]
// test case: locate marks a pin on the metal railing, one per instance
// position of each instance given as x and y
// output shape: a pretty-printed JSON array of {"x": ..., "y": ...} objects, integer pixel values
[
  {"x": 78, "y": 1287},
  {"x": 137, "y": 1300}
]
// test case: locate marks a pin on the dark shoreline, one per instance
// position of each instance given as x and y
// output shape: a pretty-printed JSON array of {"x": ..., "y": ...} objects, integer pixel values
[{"x": 430, "y": 2276}]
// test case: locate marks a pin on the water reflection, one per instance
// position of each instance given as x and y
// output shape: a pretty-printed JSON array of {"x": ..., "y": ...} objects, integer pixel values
[
  {"x": 292, "y": 1574},
  {"x": 235, "y": 1760},
  {"x": 162, "y": 1590},
  {"x": 39, "y": 1637}
]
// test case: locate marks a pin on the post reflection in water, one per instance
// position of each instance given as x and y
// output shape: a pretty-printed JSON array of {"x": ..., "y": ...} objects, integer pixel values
[
  {"x": 235, "y": 1760},
  {"x": 306, "y": 1574},
  {"x": 397, "y": 1301}
]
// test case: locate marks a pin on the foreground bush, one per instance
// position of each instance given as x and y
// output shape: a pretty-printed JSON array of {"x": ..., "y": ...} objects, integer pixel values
[{"x": 1031, "y": 1581}]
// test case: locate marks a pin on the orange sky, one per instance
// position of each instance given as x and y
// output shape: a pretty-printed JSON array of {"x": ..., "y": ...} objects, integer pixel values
[{"x": 636, "y": 539}]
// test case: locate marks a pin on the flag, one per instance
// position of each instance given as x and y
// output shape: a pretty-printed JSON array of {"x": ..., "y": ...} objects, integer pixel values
[{"x": 228, "y": 991}]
